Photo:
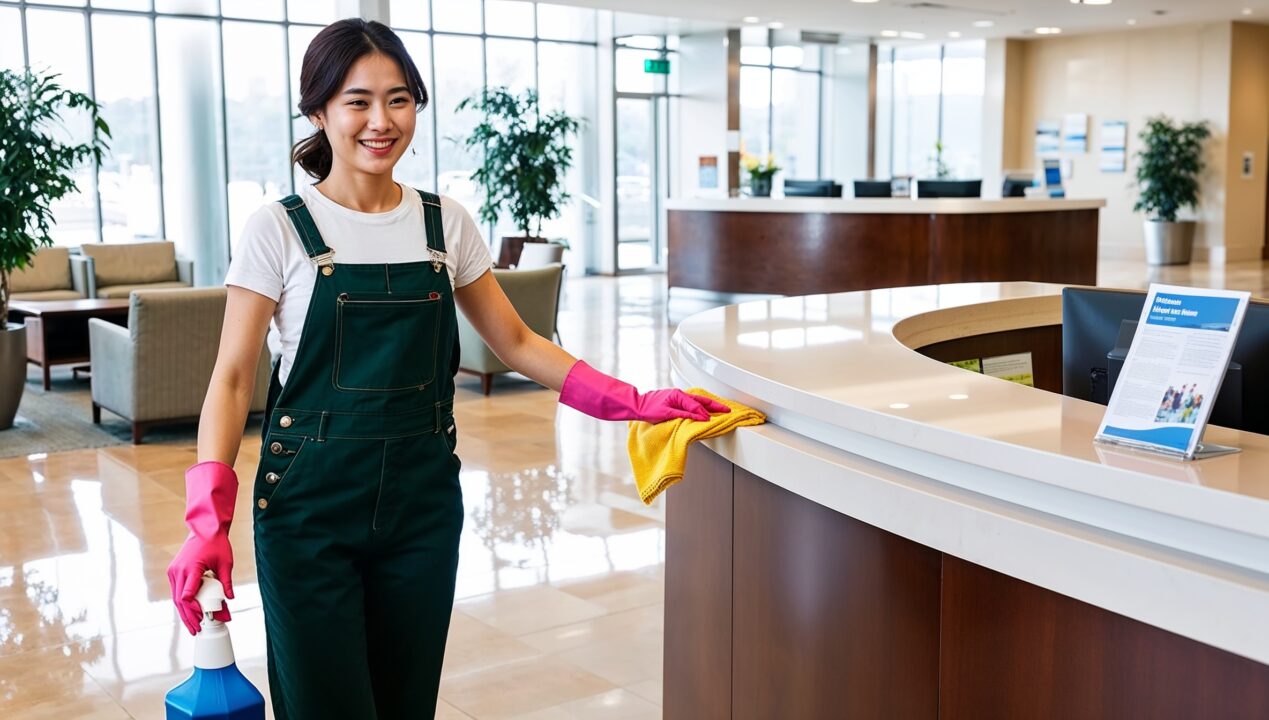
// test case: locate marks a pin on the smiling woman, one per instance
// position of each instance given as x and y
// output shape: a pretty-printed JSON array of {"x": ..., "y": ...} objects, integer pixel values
[{"x": 357, "y": 501}]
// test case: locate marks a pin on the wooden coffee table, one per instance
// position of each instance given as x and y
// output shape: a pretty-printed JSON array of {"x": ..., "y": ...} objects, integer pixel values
[{"x": 57, "y": 330}]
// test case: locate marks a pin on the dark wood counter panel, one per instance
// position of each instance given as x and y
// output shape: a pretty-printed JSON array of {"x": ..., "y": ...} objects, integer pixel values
[{"x": 799, "y": 253}]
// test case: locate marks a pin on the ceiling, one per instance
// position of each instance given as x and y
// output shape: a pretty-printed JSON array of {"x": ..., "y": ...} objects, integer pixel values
[{"x": 938, "y": 18}]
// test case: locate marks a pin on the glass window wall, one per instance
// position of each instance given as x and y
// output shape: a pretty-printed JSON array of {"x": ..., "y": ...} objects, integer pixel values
[
  {"x": 123, "y": 50},
  {"x": 930, "y": 97},
  {"x": 781, "y": 92},
  {"x": 226, "y": 104}
]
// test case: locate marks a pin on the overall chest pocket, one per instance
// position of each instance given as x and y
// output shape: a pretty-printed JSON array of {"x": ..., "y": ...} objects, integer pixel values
[{"x": 386, "y": 342}]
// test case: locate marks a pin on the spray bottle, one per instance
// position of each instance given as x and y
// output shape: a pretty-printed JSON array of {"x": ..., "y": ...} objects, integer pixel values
[{"x": 216, "y": 690}]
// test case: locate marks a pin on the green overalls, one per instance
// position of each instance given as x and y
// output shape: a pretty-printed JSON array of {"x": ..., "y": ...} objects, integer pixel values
[{"x": 357, "y": 502}]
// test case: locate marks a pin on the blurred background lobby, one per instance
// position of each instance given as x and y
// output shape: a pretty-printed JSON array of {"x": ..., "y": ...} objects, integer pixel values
[{"x": 560, "y": 610}]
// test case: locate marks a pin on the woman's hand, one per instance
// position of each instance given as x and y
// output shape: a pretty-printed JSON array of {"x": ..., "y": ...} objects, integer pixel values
[{"x": 608, "y": 398}]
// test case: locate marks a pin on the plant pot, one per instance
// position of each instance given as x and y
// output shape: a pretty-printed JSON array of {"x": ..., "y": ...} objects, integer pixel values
[
  {"x": 509, "y": 252},
  {"x": 760, "y": 186},
  {"x": 1169, "y": 243},
  {"x": 12, "y": 371}
]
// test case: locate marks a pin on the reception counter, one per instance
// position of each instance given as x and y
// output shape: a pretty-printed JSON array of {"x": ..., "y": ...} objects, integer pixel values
[
  {"x": 908, "y": 539},
  {"x": 794, "y": 246}
]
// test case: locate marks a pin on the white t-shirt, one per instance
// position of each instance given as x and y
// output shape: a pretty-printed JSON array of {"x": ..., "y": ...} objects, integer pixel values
[{"x": 269, "y": 258}]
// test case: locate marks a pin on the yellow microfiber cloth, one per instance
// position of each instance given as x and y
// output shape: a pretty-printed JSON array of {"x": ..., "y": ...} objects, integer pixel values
[{"x": 658, "y": 453}]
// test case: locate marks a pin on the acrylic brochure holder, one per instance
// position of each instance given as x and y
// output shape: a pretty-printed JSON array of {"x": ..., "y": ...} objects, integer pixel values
[{"x": 1173, "y": 372}]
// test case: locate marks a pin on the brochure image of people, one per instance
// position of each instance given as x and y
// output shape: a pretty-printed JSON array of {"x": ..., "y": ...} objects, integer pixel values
[{"x": 1174, "y": 368}]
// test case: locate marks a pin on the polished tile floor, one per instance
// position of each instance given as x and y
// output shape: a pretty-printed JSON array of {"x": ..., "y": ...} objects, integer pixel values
[{"x": 559, "y": 609}]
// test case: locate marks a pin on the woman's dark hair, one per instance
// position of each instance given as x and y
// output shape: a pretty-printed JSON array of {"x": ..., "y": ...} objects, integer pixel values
[{"x": 326, "y": 63}]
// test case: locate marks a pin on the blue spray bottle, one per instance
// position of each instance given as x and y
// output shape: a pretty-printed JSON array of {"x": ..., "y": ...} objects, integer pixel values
[{"x": 216, "y": 690}]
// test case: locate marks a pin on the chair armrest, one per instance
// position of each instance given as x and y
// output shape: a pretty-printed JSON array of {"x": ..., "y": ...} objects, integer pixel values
[
  {"x": 185, "y": 271},
  {"x": 83, "y": 275},
  {"x": 113, "y": 362}
]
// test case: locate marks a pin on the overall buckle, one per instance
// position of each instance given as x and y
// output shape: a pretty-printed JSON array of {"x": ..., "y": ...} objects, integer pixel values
[{"x": 325, "y": 261}]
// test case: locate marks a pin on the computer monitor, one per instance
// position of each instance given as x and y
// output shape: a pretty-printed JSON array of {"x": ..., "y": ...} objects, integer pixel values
[
  {"x": 949, "y": 188},
  {"x": 812, "y": 188},
  {"x": 873, "y": 189},
  {"x": 1098, "y": 326},
  {"x": 1052, "y": 173},
  {"x": 1016, "y": 184}
]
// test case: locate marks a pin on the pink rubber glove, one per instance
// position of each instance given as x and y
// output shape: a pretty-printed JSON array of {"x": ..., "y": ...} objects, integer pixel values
[
  {"x": 210, "y": 490},
  {"x": 607, "y": 398}
]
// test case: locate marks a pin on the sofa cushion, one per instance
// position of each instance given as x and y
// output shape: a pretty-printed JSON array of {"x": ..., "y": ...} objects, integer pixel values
[
  {"x": 132, "y": 263},
  {"x": 48, "y": 295},
  {"x": 123, "y": 291},
  {"x": 49, "y": 270}
]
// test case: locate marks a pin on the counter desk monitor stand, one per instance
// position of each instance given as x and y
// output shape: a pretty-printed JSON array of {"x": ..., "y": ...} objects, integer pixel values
[
  {"x": 812, "y": 188},
  {"x": 949, "y": 188},
  {"x": 1098, "y": 327},
  {"x": 874, "y": 189}
]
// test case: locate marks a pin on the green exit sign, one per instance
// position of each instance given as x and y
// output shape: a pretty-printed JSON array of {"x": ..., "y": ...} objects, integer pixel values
[{"x": 657, "y": 67}]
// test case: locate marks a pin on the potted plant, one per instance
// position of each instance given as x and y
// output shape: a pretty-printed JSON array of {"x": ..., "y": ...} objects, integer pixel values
[
  {"x": 760, "y": 173},
  {"x": 941, "y": 170},
  {"x": 526, "y": 156},
  {"x": 1168, "y": 167},
  {"x": 36, "y": 165}
]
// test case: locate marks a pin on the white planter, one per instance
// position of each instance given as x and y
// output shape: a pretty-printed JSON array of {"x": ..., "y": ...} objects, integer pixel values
[{"x": 1169, "y": 243}]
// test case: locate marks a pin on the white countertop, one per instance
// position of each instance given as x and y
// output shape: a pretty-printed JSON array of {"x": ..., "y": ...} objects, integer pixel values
[
  {"x": 996, "y": 473},
  {"x": 897, "y": 206}
]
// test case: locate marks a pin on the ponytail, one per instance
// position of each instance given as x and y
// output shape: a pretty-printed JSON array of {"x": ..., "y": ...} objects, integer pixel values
[{"x": 314, "y": 155}]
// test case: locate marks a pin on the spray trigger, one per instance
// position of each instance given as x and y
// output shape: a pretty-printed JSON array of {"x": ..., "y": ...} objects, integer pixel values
[{"x": 211, "y": 596}]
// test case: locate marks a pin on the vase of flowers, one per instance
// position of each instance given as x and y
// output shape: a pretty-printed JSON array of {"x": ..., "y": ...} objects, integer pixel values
[{"x": 760, "y": 173}]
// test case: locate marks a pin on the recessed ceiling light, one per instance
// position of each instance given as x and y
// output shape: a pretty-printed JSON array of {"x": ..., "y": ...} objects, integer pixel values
[
  {"x": 750, "y": 19},
  {"x": 864, "y": 2},
  {"x": 1091, "y": 2},
  {"x": 775, "y": 25},
  {"x": 953, "y": 33},
  {"x": 889, "y": 33},
  {"x": 1132, "y": 21},
  {"x": 911, "y": 35},
  {"x": 899, "y": 406},
  {"x": 1048, "y": 30},
  {"x": 983, "y": 23}
]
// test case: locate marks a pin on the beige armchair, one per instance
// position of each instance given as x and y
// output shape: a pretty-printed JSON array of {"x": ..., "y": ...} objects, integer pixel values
[
  {"x": 535, "y": 294},
  {"x": 156, "y": 370},
  {"x": 113, "y": 270},
  {"x": 48, "y": 277}
]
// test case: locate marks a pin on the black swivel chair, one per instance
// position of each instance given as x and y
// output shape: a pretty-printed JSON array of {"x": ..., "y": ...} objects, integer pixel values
[
  {"x": 812, "y": 188},
  {"x": 872, "y": 189}
]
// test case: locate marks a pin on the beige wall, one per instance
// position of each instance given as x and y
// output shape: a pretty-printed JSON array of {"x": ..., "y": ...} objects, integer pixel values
[
  {"x": 1248, "y": 132},
  {"x": 1181, "y": 71}
]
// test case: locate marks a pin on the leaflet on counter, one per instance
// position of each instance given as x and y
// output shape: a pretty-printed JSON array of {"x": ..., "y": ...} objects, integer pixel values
[{"x": 1174, "y": 369}]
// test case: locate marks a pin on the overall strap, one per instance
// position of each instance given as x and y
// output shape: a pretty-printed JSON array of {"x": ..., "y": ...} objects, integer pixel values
[
  {"x": 307, "y": 230},
  {"x": 432, "y": 220}
]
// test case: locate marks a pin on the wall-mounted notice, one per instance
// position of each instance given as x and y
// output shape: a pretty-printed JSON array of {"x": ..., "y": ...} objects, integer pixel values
[
  {"x": 1174, "y": 369},
  {"x": 1114, "y": 146},
  {"x": 1075, "y": 132},
  {"x": 707, "y": 176},
  {"x": 1047, "y": 138}
]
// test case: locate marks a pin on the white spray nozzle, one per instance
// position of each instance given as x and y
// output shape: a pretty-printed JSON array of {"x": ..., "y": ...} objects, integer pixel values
[{"x": 211, "y": 596}]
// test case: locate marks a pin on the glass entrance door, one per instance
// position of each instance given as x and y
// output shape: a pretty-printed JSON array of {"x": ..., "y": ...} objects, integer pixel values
[{"x": 640, "y": 182}]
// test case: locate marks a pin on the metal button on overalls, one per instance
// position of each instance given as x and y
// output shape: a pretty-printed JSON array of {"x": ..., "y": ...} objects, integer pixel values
[{"x": 361, "y": 541}]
